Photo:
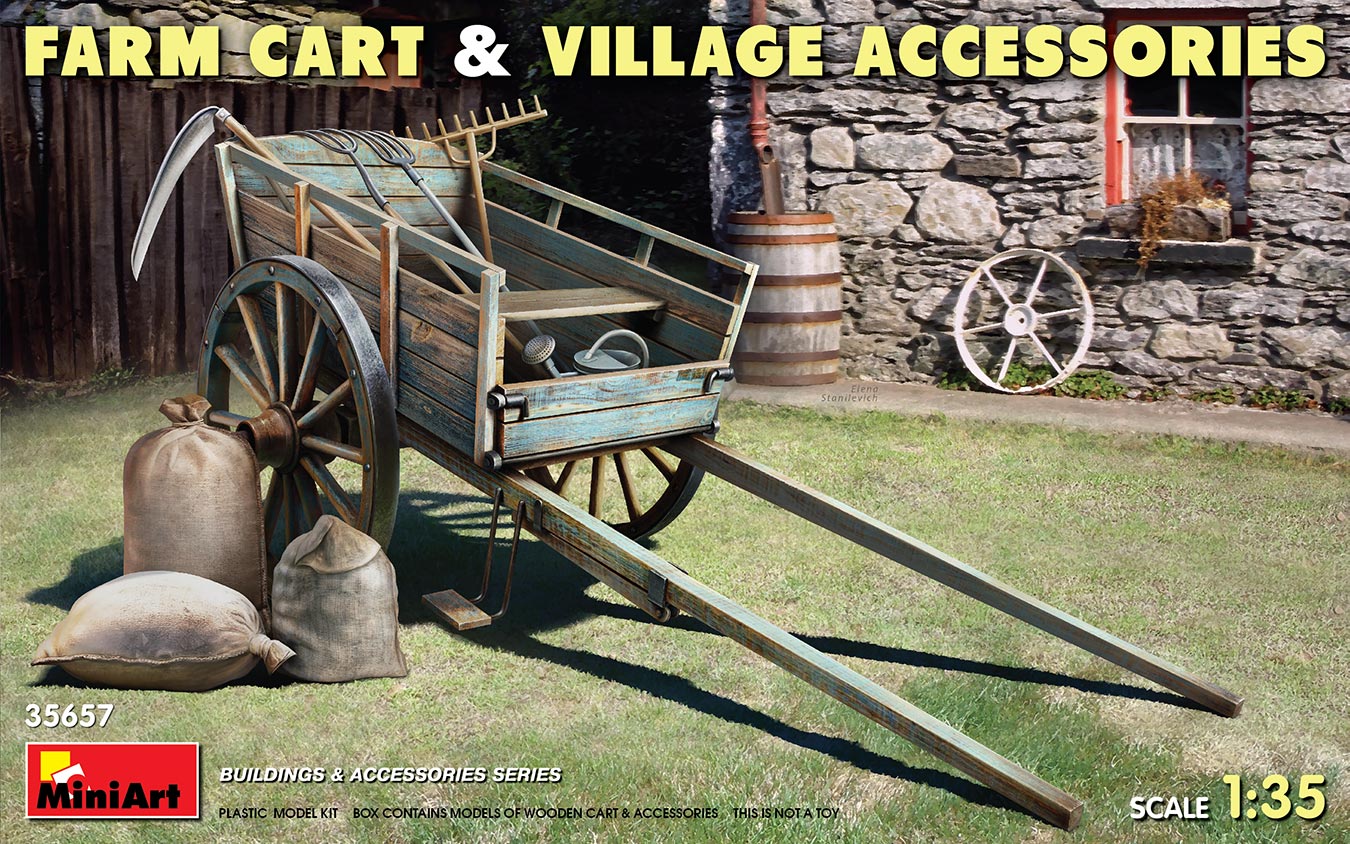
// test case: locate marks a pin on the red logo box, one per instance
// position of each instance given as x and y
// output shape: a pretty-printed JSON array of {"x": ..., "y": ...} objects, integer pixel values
[{"x": 106, "y": 780}]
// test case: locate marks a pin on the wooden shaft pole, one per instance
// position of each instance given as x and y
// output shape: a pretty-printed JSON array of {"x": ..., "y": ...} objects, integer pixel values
[
  {"x": 589, "y": 542},
  {"x": 855, "y": 526}
]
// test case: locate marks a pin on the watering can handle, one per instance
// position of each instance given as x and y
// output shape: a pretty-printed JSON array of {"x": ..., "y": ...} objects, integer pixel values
[{"x": 619, "y": 332}]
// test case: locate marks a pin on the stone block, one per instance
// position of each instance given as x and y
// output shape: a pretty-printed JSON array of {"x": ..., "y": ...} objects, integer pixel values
[
  {"x": 958, "y": 212},
  {"x": 1188, "y": 342},
  {"x": 832, "y": 147},
  {"x": 867, "y": 209},
  {"x": 1144, "y": 364},
  {"x": 1308, "y": 346},
  {"x": 989, "y": 166},
  {"x": 1158, "y": 300},
  {"x": 893, "y": 151},
  {"x": 978, "y": 117}
]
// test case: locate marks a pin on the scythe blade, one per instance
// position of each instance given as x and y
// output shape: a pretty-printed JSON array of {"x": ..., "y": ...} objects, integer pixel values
[{"x": 199, "y": 128}]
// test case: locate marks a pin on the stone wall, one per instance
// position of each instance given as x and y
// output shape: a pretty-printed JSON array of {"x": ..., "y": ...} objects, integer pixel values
[{"x": 929, "y": 177}]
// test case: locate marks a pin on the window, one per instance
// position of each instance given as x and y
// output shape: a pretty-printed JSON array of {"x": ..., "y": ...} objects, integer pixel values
[{"x": 1160, "y": 125}]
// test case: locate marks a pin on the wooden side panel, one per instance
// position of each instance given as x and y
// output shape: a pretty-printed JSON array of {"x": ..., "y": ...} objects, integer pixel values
[
  {"x": 582, "y": 430},
  {"x": 559, "y": 397},
  {"x": 683, "y": 300}
]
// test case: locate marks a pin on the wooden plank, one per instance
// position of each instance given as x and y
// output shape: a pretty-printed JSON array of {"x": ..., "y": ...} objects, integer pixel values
[
  {"x": 389, "y": 305},
  {"x": 456, "y": 610},
  {"x": 560, "y": 304},
  {"x": 686, "y": 341},
  {"x": 339, "y": 175},
  {"x": 295, "y": 150},
  {"x": 580, "y": 430},
  {"x": 449, "y": 428},
  {"x": 655, "y": 232},
  {"x": 106, "y": 260},
  {"x": 491, "y": 350},
  {"x": 420, "y": 343},
  {"x": 858, "y": 527},
  {"x": 428, "y": 301},
  {"x": 568, "y": 529},
  {"x": 26, "y": 297},
  {"x": 560, "y": 396},
  {"x": 229, "y": 189},
  {"x": 415, "y": 210},
  {"x": 684, "y": 300}
]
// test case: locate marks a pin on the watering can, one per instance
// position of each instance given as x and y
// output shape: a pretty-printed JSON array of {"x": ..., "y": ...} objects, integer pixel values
[{"x": 598, "y": 360}]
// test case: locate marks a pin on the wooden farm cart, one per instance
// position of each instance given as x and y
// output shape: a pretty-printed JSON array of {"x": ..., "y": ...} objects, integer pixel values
[{"x": 350, "y": 331}]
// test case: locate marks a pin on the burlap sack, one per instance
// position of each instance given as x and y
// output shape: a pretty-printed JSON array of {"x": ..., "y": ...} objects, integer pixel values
[
  {"x": 335, "y": 601},
  {"x": 161, "y": 630},
  {"x": 190, "y": 503}
]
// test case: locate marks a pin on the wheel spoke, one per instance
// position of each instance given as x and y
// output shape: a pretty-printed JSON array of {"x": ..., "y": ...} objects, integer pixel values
[
  {"x": 1040, "y": 347},
  {"x": 328, "y": 405},
  {"x": 333, "y": 449},
  {"x": 1054, "y": 314},
  {"x": 262, "y": 342},
  {"x": 662, "y": 465},
  {"x": 332, "y": 490},
  {"x": 997, "y": 287},
  {"x": 597, "y": 485},
  {"x": 626, "y": 485},
  {"x": 309, "y": 370},
  {"x": 230, "y": 356},
  {"x": 1036, "y": 285},
  {"x": 287, "y": 348},
  {"x": 981, "y": 329},
  {"x": 564, "y": 478},
  {"x": 271, "y": 508},
  {"x": 1007, "y": 361},
  {"x": 288, "y": 508},
  {"x": 310, "y": 505}
]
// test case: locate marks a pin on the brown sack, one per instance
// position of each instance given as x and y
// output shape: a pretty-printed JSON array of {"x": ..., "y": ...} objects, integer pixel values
[
  {"x": 190, "y": 503},
  {"x": 161, "y": 630},
  {"x": 334, "y": 600}
]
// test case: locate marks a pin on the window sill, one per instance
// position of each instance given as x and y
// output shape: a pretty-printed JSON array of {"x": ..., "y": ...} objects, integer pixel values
[{"x": 1242, "y": 254}]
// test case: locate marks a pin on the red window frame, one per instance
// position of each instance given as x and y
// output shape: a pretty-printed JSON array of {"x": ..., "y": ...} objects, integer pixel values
[{"x": 1115, "y": 89}]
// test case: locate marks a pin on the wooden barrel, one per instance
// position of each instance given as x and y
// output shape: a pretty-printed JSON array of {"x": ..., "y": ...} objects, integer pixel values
[{"x": 790, "y": 335}]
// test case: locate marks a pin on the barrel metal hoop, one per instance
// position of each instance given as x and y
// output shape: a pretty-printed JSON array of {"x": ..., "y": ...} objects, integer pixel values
[
  {"x": 787, "y": 317},
  {"x": 821, "y": 280}
]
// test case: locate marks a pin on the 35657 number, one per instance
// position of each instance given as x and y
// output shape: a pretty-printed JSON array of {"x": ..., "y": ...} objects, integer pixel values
[{"x": 54, "y": 715}]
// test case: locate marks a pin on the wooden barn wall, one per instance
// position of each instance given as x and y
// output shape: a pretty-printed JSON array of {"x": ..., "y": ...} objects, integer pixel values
[{"x": 70, "y": 304}]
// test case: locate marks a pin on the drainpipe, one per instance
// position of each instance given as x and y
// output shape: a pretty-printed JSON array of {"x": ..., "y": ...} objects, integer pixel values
[{"x": 770, "y": 175}]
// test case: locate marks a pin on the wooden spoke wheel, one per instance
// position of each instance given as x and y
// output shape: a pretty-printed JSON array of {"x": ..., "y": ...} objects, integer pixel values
[
  {"x": 288, "y": 359},
  {"x": 1023, "y": 302},
  {"x": 636, "y": 492}
]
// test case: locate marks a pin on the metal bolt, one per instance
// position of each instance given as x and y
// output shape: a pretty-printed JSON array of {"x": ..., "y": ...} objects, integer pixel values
[
  {"x": 353, "y": 373},
  {"x": 367, "y": 467},
  {"x": 271, "y": 270}
]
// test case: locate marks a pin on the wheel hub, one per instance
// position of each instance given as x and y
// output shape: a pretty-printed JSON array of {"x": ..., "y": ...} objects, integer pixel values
[
  {"x": 1020, "y": 320},
  {"x": 276, "y": 438}
]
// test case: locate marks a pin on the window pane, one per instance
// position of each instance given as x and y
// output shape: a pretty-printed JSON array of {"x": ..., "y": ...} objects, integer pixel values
[
  {"x": 1216, "y": 96},
  {"x": 1220, "y": 154},
  {"x": 1156, "y": 152}
]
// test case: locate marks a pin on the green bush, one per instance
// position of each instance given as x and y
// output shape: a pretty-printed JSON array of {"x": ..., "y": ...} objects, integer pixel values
[
  {"x": 1218, "y": 395},
  {"x": 1339, "y": 405},
  {"x": 1273, "y": 398}
]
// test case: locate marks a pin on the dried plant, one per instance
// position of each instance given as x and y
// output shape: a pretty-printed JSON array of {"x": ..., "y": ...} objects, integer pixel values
[{"x": 1162, "y": 199}]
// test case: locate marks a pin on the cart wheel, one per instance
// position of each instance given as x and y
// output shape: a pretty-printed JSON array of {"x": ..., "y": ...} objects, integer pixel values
[
  {"x": 644, "y": 474},
  {"x": 1023, "y": 299},
  {"x": 289, "y": 359}
]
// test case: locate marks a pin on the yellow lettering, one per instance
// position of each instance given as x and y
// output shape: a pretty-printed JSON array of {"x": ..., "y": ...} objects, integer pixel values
[
  {"x": 1088, "y": 46},
  {"x": 712, "y": 54},
  {"x": 599, "y": 51},
  {"x": 1191, "y": 46},
  {"x": 1263, "y": 50},
  {"x": 1000, "y": 51},
  {"x": 625, "y": 53},
  {"x": 82, "y": 53},
  {"x": 406, "y": 39},
  {"x": 952, "y": 57},
  {"x": 128, "y": 47},
  {"x": 195, "y": 53},
  {"x": 39, "y": 46},
  {"x": 663, "y": 63},
  {"x": 1307, "y": 56},
  {"x": 562, "y": 55},
  {"x": 1232, "y": 51},
  {"x": 313, "y": 53},
  {"x": 757, "y": 51},
  {"x": 910, "y": 57},
  {"x": 1045, "y": 54},
  {"x": 260, "y": 50},
  {"x": 361, "y": 48},
  {"x": 804, "y": 51},
  {"x": 1155, "y": 50},
  {"x": 874, "y": 53}
]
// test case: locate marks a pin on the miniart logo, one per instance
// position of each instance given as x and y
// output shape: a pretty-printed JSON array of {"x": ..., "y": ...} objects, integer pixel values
[{"x": 113, "y": 780}]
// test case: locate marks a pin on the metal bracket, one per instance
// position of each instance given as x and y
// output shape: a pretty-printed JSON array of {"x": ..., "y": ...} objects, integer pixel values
[
  {"x": 656, "y": 588},
  {"x": 500, "y": 400},
  {"x": 721, "y": 373}
]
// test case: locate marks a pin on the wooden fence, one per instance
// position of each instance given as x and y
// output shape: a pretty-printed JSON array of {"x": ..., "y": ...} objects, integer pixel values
[{"x": 69, "y": 210}]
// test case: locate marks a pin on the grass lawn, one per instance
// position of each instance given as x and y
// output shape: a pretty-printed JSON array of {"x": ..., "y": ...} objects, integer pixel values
[{"x": 1232, "y": 562}]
